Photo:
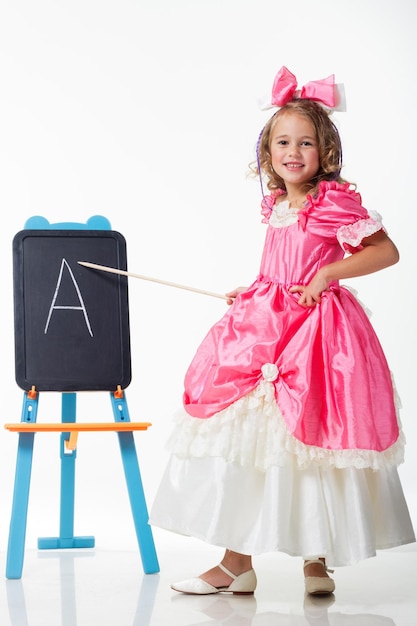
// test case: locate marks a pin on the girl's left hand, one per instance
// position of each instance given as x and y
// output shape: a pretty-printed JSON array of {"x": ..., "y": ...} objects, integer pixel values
[{"x": 311, "y": 293}]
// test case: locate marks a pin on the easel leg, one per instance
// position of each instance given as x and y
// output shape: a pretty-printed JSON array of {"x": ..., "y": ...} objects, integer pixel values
[
  {"x": 67, "y": 496},
  {"x": 66, "y": 537},
  {"x": 17, "y": 532},
  {"x": 135, "y": 490}
]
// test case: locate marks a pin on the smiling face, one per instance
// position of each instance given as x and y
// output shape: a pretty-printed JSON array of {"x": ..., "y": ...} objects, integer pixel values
[{"x": 294, "y": 150}]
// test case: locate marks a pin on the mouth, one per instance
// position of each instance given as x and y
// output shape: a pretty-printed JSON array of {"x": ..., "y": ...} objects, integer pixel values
[{"x": 294, "y": 166}]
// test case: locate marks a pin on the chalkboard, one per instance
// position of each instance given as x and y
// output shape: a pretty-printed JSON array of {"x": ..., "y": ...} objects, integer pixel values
[{"x": 71, "y": 322}]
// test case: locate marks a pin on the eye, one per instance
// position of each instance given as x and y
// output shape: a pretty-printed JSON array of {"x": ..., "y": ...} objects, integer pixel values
[
  {"x": 281, "y": 142},
  {"x": 306, "y": 143}
]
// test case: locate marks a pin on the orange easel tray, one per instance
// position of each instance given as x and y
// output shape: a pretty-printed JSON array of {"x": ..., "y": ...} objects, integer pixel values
[{"x": 26, "y": 427}]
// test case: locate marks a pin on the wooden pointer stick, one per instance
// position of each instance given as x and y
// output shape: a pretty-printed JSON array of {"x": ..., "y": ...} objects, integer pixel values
[{"x": 113, "y": 270}]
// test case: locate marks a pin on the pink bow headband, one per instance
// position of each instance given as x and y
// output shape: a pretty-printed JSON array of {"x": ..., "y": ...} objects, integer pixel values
[{"x": 324, "y": 91}]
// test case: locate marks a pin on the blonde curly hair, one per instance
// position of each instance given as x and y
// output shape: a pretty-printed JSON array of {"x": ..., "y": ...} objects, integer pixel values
[{"x": 328, "y": 141}]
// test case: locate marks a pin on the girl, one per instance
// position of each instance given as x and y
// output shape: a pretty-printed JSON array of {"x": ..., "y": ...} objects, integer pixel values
[{"x": 290, "y": 438}]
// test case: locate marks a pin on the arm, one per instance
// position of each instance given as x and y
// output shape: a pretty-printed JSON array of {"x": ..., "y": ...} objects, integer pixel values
[{"x": 377, "y": 253}]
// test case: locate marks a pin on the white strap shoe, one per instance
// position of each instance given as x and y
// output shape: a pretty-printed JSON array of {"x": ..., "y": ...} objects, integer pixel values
[
  {"x": 244, "y": 584},
  {"x": 319, "y": 585}
]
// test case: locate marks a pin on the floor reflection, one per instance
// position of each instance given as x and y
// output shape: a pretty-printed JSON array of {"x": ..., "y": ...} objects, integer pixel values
[
  {"x": 16, "y": 602},
  {"x": 242, "y": 611},
  {"x": 108, "y": 587}
]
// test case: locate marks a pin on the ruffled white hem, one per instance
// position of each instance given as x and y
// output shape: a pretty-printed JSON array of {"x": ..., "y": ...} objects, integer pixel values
[{"x": 252, "y": 433}]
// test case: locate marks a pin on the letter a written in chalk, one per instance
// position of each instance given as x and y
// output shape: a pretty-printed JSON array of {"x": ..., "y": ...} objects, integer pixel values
[{"x": 80, "y": 307}]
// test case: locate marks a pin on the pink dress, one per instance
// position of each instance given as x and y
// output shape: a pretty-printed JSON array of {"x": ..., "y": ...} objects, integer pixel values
[{"x": 293, "y": 405}]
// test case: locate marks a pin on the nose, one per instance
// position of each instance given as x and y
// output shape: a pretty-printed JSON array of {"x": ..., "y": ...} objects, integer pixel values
[{"x": 294, "y": 150}]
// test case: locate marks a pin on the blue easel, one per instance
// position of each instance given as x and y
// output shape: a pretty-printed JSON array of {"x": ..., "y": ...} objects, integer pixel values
[{"x": 27, "y": 429}]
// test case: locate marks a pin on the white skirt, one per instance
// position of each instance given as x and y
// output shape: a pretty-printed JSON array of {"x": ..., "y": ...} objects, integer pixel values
[{"x": 215, "y": 488}]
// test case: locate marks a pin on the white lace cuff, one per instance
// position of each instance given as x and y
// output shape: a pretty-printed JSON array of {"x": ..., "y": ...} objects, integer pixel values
[{"x": 351, "y": 235}]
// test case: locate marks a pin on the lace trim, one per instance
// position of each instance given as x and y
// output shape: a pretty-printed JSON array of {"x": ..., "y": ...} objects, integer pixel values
[
  {"x": 283, "y": 215},
  {"x": 252, "y": 433},
  {"x": 351, "y": 235}
]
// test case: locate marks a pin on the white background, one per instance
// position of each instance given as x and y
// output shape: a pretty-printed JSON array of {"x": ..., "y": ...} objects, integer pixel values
[{"x": 146, "y": 112}]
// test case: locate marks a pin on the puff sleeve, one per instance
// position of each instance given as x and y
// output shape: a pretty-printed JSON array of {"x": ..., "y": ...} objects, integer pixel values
[{"x": 336, "y": 214}]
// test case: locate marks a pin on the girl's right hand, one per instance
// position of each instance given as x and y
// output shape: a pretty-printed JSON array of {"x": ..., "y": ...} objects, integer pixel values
[{"x": 231, "y": 295}]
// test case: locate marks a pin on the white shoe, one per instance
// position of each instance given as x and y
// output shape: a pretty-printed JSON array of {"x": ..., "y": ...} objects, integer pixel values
[
  {"x": 319, "y": 585},
  {"x": 243, "y": 584}
]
